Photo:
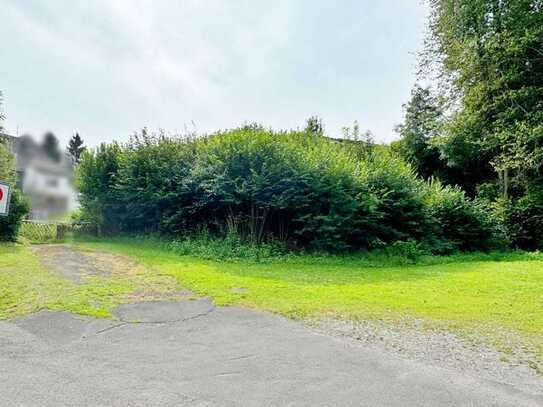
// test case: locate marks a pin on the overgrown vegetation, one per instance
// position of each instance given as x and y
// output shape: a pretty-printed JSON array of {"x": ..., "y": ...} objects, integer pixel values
[
  {"x": 18, "y": 208},
  {"x": 465, "y": 175},
  {"x": 481, "y": 128},
  {"x": 297, "y": 188}
]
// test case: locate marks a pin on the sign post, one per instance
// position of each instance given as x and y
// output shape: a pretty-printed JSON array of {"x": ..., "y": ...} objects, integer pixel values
[{"x": 5, "y": 196}]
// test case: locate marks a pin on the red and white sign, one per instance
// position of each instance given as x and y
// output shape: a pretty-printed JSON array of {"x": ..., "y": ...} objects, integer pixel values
[{"x": 5, "y": 195}]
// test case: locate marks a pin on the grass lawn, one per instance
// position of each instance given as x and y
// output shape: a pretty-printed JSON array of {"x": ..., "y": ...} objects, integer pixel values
[
  {"x": 498, "y": 299},
  {"x": 26, "y": 286},
  {"x": 466, "y": 293}
]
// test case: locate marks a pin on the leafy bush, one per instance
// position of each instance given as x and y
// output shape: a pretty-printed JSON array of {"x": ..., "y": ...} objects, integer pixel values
[
  {"x": 299, "y": 188},
  {"x": 523, "y": 221},
  {"x": 11, "y": 224},
  {"x": 96, "y": 176},
  {"x": 461, "y": 223},
  {"x": 18, "y": 208},
  {"x": 401, "y": 212},
  {"x": 151, "y": 183}
]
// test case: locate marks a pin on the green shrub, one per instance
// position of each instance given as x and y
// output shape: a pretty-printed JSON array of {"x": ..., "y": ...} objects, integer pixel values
[
  {"x": 287, "y": 186},
  {"x": 299, "y": 188},
  {"x": 152, "y": 180},
  {"x": 19, "y": 207},
  {"x": 523, "y": 220},
  {"x": 461, "y": 223},
  {"x": 401, "y": 211},
  {"x": 11, "y": 224},
  {"x": 97, "y": 174}
]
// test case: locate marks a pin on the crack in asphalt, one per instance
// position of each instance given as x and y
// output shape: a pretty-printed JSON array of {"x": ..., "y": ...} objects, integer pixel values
[
  {"x": 174, "y": 321},
  {"x": 109, "y": 328}
]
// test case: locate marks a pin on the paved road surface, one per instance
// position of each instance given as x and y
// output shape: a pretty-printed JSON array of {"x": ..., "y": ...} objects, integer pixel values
[{"x": 189, "y": 353}]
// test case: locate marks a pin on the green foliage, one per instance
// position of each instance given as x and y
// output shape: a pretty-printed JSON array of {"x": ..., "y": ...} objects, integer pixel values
[
  {"x": 491, "y": 293},
  {"x": 400, "y": 212},
  {"x": 314, "y": 126},
  {"x": 152, "y": 184},
  {"x": 409, "y": 250},
  {"x": 292, "y": 186},
  {"x": 422, "y": 121},
  {"x": 361, "y": 144},
  {"x": 76, "y": 148},
  {"x": 252, "y": 186},
  {"x": 7, "y": 165},
  {"x": 19, "y": 207},
  {"x": 488, "y": 56},
  {"x": 523, "y": 220},
  {"x": 10, "y": 225},
  {"x": 232, "y": 247},
  {"x": 96, "y": 179},
  {"x": 461, "y": 223}
]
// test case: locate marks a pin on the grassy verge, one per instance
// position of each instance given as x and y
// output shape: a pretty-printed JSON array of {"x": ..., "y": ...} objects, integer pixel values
[
  {"x": 499, "y": 296},
  {"x": 26, "y": 286},
  {"x": 494, "y": 294}
]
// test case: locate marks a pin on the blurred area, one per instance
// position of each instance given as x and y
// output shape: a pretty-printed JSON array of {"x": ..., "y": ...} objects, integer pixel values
[{"x": 45, "y": 175}]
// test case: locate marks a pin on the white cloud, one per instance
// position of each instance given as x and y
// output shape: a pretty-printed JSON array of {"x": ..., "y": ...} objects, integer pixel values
[{"x": 106, "y": 68}]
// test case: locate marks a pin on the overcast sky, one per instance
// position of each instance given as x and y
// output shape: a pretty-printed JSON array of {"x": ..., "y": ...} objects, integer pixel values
[{"x": 105, "y": 68}]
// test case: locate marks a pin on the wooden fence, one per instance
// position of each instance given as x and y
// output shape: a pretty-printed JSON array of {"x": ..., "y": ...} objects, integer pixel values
[{"x": 53, "y": 232}]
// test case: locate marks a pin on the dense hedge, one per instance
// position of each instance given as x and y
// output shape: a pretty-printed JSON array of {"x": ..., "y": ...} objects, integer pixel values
[{"x": 297, "y": 187}]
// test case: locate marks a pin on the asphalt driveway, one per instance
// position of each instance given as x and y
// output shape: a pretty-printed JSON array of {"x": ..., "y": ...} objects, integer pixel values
[{"x": 190, "y": 353}]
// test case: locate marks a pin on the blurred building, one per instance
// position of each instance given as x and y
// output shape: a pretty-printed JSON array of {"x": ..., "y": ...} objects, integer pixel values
[{"x": 45, "y": 181}]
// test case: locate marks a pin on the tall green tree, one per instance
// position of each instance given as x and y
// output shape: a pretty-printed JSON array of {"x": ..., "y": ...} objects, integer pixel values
[
  {"x": 490, "y": 52},
  {"x": 422, "y": 119},
  {"x": 76, "y": 148}
]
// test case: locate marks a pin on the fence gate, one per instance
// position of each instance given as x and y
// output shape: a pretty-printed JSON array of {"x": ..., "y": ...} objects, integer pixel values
[{"x": 45, "y": 232}]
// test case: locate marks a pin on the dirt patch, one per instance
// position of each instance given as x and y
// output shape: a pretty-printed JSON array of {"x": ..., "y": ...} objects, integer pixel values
[
  {"x": 77, "y": 266},
  {"x": 71, "y": 264},
  {"x": 520, "y": 367}
]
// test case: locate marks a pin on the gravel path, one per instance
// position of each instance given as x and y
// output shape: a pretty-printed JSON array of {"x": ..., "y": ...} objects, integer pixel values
[
  {"x": 73, "y": 264},
  {"x": 519, "y": 368}
]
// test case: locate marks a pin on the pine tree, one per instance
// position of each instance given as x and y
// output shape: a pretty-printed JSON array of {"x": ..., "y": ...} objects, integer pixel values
[
  {"x": 76, "y": 148},
  {"x": 420, "y": 126}
]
